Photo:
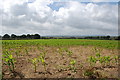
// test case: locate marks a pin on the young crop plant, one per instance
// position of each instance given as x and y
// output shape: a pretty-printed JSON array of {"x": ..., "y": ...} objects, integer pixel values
[
  {"x": 107, "y": 60},
  {"x": 43, "y": 54},
  {"x": 101, "y": 60},
  {"x": 92, "y": 60},
  {"x": 96, "y": 50},
  {"x": 116, "y": 59},
  {"x": 43, "y": 63},
  {"x": 26, "y": 51},
  {"x": 60, "y": 51},
  {"x": 34, "y": 62},
  {"x": 98, "y": 55},
  {"x": 69, "y": 53},
  {"x": 73, "y": 62},
  {"x": 41, "y": 58},
  {"x": 72, "y": 65},
  {"x": 90, "y": 73},
  {"x": 9, "y": 60},
  {"x": 6, "y": 51},
  {"x": 104, "y": 60}
]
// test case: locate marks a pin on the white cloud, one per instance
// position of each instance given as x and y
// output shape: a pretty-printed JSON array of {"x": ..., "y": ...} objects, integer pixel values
[
  {"x": 74, "y": 18},
  {"x": 104, "y": 0}
]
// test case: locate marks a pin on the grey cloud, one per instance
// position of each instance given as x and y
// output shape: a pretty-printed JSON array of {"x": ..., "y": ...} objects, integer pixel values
[
  {"x": 72, "y": 19},
  {"x": 19, "y": 9}
]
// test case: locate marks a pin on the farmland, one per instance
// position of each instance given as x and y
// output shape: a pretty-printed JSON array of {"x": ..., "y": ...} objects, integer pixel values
[{"x": 60, "y": 58}]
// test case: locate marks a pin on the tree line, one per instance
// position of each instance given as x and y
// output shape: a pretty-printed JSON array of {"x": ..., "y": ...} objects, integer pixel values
[
  {"x": 23, "y": 36},
  {"x": 103, "y": 37},
  {"x": 37, "y": 36}
]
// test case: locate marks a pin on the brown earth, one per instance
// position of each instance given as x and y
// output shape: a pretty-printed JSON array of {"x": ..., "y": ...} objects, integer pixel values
[{"x": 57, "y": 66}]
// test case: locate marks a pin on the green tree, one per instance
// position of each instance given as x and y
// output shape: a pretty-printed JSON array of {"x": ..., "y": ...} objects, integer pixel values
[
  {"x": 6, "y": 36},
  {"x": 13, "y": 36}
]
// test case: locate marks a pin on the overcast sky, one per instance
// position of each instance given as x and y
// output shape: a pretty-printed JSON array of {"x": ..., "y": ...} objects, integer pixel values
[{"x": 47, "y": 17}]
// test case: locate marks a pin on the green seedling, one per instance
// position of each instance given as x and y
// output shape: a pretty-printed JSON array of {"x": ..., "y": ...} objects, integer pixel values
[
  {"x": 92, "y": 60},
  {"x": 34, "y": 62},
  {"x": 116, "y": 59},
  {"x": 105, "y": 60},
  {"x": 91, "y": 73},
  {"x": 6, "y": 52},
  {"x": 41, "y": 58},
  {"x": 88, "y": 73},
  {"x": 43, "y": 54},
  {"x": 96, "y": 50},
  {"x": 101, "y": 60},
  {"x": 43, "y": 63},
  {"x": 72, "y": 65},
  {"x": 26, "y": 51},
  {"x": 8, "y": 58},
  {"x": 98, "y": 55},
  {"x": 60, "y": 51},
  {"x": 69, "y": 53},
  {"x": 72, "y": 62}
]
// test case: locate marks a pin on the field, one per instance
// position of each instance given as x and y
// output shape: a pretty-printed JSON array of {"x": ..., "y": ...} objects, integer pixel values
[{"x": 60, "y": 58}]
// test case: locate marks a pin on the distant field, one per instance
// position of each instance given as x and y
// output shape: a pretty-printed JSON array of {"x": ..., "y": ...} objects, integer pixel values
[
  {"x": 110, "y": 44},
  {"x": 60, "y": 58}
]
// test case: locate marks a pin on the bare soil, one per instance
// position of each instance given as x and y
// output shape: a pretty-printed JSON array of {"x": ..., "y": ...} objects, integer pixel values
[{"x": 57, "y": 66}]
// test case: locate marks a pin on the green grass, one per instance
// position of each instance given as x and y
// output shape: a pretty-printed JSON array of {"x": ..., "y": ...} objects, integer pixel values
[{"x": 110, "y": 44}]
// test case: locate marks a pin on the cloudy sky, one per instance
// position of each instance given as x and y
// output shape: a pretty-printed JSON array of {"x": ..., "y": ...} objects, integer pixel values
[{"x": 50, "y": 17}]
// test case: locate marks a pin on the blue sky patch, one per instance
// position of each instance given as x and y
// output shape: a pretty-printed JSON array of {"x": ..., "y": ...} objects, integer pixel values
[{"x": 56, "y": 5}]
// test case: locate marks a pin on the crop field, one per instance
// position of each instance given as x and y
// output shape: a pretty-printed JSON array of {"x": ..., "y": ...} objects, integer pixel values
[{"x": 60, "y": 58}]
